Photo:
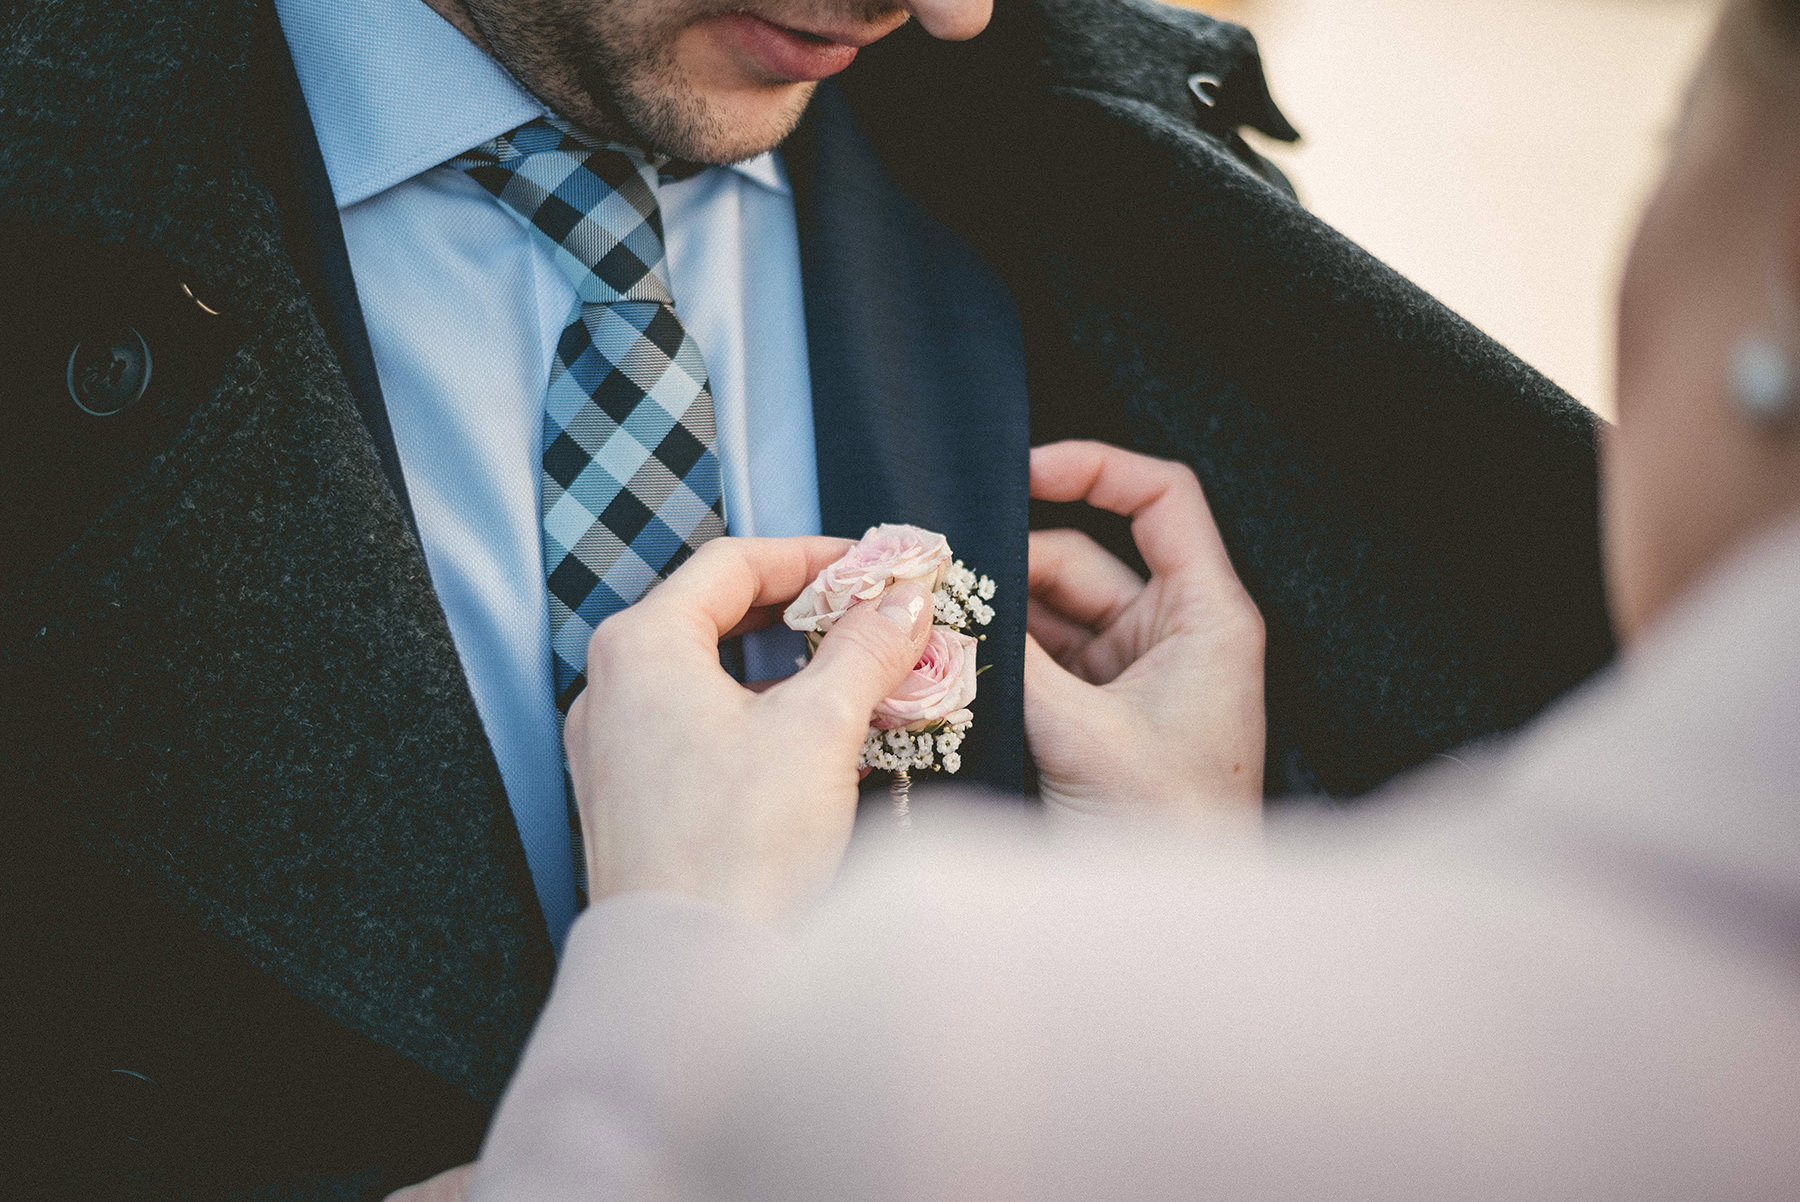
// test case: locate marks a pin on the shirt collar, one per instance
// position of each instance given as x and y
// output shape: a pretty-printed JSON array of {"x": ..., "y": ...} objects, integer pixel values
[{"x": 394, "y": 89}]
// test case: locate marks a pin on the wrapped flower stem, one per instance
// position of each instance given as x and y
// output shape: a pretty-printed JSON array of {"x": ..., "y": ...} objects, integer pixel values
[{"x": 900, "y": 789}]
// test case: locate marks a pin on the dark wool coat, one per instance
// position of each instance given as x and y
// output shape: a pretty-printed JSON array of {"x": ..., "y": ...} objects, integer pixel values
[{"x": 267, "y": 916}]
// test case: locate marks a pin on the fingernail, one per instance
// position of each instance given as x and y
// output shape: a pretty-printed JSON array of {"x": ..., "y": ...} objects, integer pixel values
[{"x": 908, "y": 606}]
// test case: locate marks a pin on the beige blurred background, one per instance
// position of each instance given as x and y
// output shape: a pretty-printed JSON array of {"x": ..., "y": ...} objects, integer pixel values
[{"x": 1496, "y": 151}]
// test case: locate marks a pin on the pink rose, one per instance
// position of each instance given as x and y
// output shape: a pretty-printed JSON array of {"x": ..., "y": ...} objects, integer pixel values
[
  {"x": 885, "y": 556},
  {"x": 940, "y": 688}
]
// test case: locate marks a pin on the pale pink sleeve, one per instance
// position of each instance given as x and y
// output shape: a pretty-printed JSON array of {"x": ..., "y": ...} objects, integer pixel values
[{"x": 646, "y": 1010}]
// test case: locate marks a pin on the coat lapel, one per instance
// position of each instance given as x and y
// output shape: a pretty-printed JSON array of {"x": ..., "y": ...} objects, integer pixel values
[
  {"x": 919, "y": 400},
  {"x": 238, "y": 682},
  {"x": 294, "y": 171}
]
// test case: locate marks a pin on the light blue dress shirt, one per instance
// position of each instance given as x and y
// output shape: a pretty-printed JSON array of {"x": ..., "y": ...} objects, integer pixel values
[{"x": 463, "y": 310}]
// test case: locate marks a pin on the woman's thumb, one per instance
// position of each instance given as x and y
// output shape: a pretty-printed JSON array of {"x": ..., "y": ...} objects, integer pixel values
[{"x": 870, "y": 650}]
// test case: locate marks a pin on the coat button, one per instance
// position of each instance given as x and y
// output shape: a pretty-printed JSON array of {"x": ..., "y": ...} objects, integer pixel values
[{"x": 109, "y": 371}]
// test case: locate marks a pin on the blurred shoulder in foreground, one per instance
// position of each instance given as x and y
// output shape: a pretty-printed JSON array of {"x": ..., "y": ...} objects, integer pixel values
[{"x": 1569, "y": 975}]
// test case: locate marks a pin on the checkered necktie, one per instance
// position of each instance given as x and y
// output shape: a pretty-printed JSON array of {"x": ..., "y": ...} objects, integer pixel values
[{"x": 630, "y": 470}]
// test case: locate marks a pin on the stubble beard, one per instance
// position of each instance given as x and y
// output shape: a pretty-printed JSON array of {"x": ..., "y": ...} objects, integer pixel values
[{"x": 621, "y": 80}]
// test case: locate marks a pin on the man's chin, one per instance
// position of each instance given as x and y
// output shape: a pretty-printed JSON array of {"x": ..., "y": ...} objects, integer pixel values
[{"x": 725, "y": 131}]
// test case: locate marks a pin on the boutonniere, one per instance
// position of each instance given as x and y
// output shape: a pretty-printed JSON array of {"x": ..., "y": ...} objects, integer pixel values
[{"x": 921, "y": 726}]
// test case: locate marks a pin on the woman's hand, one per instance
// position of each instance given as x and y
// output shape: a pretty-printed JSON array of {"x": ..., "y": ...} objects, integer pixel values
[
  {"x": 1141, "y": 697},
  {"x": 688, "y": 782}
]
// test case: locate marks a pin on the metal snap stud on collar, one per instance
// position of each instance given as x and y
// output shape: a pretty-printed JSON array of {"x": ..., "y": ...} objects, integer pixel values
[{"x": 1206, "y": 89}]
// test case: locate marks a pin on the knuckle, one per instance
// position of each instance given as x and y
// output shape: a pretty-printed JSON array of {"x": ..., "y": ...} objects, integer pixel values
[
  {"x": 720, "y": 555},
  {"x": 1080, "y": 542},
  {"x": 616, "y": 632},
  {"x": 714, "y": 549},
  {"x": 840, "y": 712},
  {"x": 826, "y": 709},
  {"x": 1181, "y": 475},
  {"x": 867, "y": 646},
  {"x": 1064, "y": 544},
  {"x": 726, "y": 553},
  {"x": 1246, "y": 623}
]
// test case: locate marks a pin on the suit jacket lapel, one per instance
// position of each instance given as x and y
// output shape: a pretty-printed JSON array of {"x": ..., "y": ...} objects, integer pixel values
[
  {"x": 919, "y": 400},
  {"x": 238, "y": 681}
]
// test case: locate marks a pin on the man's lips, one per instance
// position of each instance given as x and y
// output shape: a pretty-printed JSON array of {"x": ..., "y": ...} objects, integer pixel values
[{"x": 792, "y": 54}]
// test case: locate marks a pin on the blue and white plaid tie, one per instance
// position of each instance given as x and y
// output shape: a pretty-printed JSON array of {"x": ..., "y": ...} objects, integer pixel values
[{"x": 630, "y": 468}]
